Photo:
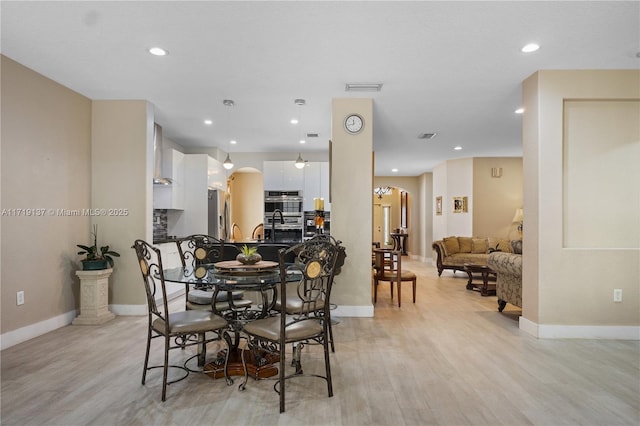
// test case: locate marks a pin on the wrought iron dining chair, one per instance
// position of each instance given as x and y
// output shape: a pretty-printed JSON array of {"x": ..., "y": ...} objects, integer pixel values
[
  {"x": 388, "y": 267},
  {"x": 184, "y": 328},
  {"x": 293, "y": 304},
  {"x": 198, "y": 252},
  {"x": 315, "y": 266}
]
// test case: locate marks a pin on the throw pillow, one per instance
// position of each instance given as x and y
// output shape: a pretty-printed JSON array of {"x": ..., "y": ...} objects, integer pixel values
[
  {"x": 516, "y": 246},
  {"x": 479, "y": 245},
  {"x": 465, "y": 244},
  {"x": 500, "y": 244},
  {"x": 451, "y": 246}
]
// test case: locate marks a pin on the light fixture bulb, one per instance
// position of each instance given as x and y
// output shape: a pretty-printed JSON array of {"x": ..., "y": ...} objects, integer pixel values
[
  {"x": 158, "y": 51},
  {"x": 529, "y": 48},
  {"x": 228, "y": 164},
  {"x": 299, "y": 162}
]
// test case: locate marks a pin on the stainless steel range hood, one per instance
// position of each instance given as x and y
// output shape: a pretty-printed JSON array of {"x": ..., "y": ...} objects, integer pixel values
[{"x": 158, "y": 179}]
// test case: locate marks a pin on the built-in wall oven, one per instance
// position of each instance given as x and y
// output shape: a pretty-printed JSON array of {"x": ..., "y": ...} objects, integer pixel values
[{"x": 283, "y": 216}]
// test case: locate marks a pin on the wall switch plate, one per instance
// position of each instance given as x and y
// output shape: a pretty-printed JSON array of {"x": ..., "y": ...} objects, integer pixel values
[
  {"x": 20, "y": 298},
  {"x": 617, "y": 295}
]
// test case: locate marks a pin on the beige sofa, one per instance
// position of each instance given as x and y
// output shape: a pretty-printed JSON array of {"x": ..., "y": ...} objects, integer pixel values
[{"x": 454, "y": 252}]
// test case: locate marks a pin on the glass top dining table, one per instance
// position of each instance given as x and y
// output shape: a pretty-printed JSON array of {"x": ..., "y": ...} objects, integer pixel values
[{"x": 261, "y": 279}]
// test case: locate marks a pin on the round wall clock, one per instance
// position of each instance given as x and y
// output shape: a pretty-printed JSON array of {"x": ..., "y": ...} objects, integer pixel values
[{"x": 353, "y": 123}]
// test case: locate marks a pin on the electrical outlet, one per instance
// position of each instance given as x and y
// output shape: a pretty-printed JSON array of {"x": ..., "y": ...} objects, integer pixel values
[
  {"x": 617, "y": 295},
  {"x": 20, "y": 298}
]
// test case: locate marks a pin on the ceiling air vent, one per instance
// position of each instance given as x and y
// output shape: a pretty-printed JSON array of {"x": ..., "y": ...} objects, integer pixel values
[
  {"x": 427, "y": 135},
  {"x": 363, "y": 87},
  {"x": 312, "y": 135}
]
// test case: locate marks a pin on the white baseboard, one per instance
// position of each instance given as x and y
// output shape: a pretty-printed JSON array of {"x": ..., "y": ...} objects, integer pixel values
[
  {"x": 601, "y": 332},
  {"x": 23, "y": 334}
]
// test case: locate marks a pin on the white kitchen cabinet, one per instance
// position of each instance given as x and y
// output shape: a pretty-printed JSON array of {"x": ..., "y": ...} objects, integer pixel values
[
  {"x": 282, "y": 176},
  {"x": 316, "y": 184},
  {"x": 216, "y": 175},
  {"x": 171, "y": 259},
  {"x": 171, "y": 196}
]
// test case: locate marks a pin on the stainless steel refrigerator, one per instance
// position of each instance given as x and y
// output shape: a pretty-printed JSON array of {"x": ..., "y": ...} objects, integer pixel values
[{"x": 218, "y": 214}]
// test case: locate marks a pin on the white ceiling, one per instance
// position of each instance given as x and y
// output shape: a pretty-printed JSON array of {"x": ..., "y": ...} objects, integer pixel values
[{"x": 454, "y": 68}]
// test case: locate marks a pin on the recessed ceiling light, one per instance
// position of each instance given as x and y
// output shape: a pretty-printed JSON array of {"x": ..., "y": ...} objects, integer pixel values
[
  {"x": 457, "y": 148},
  {"x": 519, "y": 111},
  {"x": 299, "y": 102},
  {"x": 208, "y": 122},
  {"x": 394, "y": 170},
  {"x": 531, "y": 47},
  {"x": 158, "y": 51},
  {"x": 294, "y": 121},
  {"x": 303, "y": 141},
  {"x": 363, "y": 87},
  {"x": 232, "y": 142}
]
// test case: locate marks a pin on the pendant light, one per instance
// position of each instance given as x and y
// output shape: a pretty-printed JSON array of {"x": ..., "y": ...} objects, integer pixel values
[
  {"x": 300, "y": 163},
  {"x": 228, "y": 164}
]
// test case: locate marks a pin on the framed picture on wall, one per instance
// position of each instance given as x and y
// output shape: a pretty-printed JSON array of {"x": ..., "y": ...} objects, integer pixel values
[
  {"x": 460, "y": 204},
  {"x": 439, "y": 206}
]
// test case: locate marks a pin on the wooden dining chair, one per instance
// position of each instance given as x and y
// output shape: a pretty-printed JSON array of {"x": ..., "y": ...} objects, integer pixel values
[
  {"x": 178, "y": 329},
  {"x": 258, "y": 232},
  {"x": 236, "y": 233},
  {"x": 388, "y": 268}
]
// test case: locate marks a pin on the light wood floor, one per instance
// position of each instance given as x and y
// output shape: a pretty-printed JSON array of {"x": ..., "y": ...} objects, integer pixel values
[{"x": 450, "y": 359}]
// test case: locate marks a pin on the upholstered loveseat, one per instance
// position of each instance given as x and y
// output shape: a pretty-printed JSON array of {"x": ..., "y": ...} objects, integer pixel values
[
  {"x": 508, "y": 268},
  {"x": 454, "y": 252}
]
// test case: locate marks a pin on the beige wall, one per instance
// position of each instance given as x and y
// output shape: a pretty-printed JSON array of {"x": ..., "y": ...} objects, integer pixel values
[
  {"x": 247, "y": 200},
  {"x": 495, "y": 200},
  {"x": 351, "y": 186},
  {"x": 492, "y": 202},
  {"x": 562, "y": 286},
  {"x": 121, "y": 180},
  {"x": 46, "y": 149},
  {"x": 411, "y": 184}
]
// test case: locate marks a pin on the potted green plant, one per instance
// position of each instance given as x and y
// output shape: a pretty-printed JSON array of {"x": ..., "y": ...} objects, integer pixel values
[
  {"x": 96, "y": 259},
  {"x": 249, "y": 255}
]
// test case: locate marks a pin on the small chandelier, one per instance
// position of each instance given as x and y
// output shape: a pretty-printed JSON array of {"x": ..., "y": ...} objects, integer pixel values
[{"x": 381, "y": 191}]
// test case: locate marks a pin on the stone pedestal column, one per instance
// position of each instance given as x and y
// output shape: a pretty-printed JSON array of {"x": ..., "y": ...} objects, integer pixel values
[{"x": 94, "y": 297}]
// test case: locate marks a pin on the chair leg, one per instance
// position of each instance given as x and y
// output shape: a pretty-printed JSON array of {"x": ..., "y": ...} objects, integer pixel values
[
  {"x": 166, "y": 367},
  {"x": 333, "y": 347},
  {"x": 282, "y": 377},
  {"x": 327, "y": 367},
  {"x": 399, "y": 293},
  {"x": 414, "y": 291},
  {"x": 146, "y": 357}
]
